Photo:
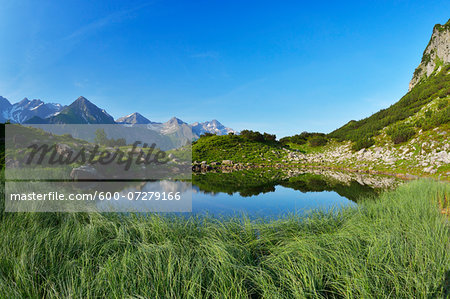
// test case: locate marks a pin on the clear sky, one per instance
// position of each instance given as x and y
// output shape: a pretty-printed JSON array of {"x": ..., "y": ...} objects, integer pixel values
[{"x": 277, "y": 66}]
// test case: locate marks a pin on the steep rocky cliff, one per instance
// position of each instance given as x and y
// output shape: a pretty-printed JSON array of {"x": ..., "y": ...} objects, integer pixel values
[{"x": 436, "y": 54}]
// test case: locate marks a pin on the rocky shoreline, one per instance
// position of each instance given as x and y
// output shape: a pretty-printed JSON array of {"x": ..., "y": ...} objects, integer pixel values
[
  {"x": 202, "y": 167},
  {"x": 342, "y": 175}
]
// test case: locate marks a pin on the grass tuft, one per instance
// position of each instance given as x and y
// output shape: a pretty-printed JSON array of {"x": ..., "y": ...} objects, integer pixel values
[{"x": 396, "y": 246}]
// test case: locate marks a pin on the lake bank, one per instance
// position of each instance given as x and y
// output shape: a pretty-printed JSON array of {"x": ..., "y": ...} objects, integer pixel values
[
  {"x": 218, "y": 167},
  {"x": 357, "y": 252},
  {"x": 426, "y": 155}
]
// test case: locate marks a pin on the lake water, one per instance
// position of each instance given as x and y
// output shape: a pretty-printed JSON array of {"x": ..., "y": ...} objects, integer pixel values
[
  {"x": 262, "y": 194},
  {"x": 281, "y": 201}
]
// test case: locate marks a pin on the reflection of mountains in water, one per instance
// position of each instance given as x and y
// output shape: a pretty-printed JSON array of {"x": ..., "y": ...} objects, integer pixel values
[
  {"x": 254, "y": 182},
  {"x": 142, "y": 133}
]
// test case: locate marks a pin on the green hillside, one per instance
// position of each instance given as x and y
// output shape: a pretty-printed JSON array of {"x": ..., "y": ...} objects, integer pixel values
[
  {"x": 235, "y": 148},
  {"x": 437, "y": 86}
]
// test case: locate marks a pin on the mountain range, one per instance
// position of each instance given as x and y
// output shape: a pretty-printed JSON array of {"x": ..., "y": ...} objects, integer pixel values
[
  {"x": 82, "y": 111},
  {"x": 26, "y": 109}
]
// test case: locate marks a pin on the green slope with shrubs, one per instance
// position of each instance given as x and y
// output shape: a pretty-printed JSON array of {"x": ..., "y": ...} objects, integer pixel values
[
  {"x": 362, "y": 132},
  {"x": 249, "y": 147},
  {"x": 254, "y": 147}
]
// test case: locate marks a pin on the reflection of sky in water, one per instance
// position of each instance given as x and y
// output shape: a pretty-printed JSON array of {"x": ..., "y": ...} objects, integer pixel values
[
  {"x": 125, "y": 205},
  {"x": 282, "y": 201}
]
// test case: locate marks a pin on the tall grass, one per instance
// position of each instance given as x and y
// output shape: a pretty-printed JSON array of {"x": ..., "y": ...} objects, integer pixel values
[{"x": 396, "y": 246}]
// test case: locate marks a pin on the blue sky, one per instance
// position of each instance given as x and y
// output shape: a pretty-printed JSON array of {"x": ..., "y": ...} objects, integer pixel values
[{"x": 277, "y": 66}]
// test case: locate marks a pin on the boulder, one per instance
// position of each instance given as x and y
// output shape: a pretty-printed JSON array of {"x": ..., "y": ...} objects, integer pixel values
[
  {"x": 63, "y": 149},
  {"x": 11, "y": 163},
  {"x": 428, "y": 169},
  {"x": 85, "y": 172},
  {"x": 443, "y": 156}
]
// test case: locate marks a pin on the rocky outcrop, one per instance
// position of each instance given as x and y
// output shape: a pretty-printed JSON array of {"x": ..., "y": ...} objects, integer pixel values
[
  {"x": 85, "y": 172},
  {"x": 428, "y": 154},
  {"x": 422, "y": 155},
  {"x": 435, "y": 55}
]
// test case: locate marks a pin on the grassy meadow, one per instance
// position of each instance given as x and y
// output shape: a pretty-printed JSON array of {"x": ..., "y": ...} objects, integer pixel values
[{"x": 394, "y": 246}]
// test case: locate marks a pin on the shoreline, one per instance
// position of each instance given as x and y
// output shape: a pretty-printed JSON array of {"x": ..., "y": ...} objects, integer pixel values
[{"x": 204, "y": 167}]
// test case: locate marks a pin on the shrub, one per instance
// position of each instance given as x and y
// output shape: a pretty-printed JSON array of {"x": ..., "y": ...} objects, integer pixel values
[
  {"x": 441, "y": 117},
  {"x": 301, "y": 138},
  {"x": 252, "y": 135},
  {"x": 401, "y": 133},
  {"x": 257, "y": 136},
  {"x": 363, "y": 143},
  {"x": 434, "y": 120},
  {"x": 442, "y": 104},
  {"x": 285, "y": 140},
  {"x": 269, "y": 137},
  {"x": 117, "y": 142},
  {"x": 317, "y": 141},
  {"x": 297, "y": 139},
  {"x": 100, "y": 137}
]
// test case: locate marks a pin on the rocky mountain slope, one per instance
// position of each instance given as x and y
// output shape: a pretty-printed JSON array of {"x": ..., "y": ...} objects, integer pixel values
[
  {"x": 428, "y": 85},
  {"x": 410, "y": 138},
  {"x": 81, "y": 111},
  {"x": 435, "y": 55},
  {"x": 26, "y": 109},
  {"x": 213, "y": 127},
  {"x": 133, "y": 119}
]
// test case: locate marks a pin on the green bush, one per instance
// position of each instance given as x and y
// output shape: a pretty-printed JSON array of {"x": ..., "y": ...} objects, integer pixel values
[
  {"x": 423, "y": 124},
  {"x": 269, "y": 137},
  {"x": 442, "y": 104},
  {"x": 257, "y": 136},
  {"x": 434, "y": 119},
  {"x": 401, "y": 133},
  {"x": 252, "y": 135},
  {"x": 302, "y": 138},
  {"x": 363, "y": 143},
  {"x": 441, "y": 117},
  {"x": 317, "y": 141},
  {"x": 235, "y": 148}
]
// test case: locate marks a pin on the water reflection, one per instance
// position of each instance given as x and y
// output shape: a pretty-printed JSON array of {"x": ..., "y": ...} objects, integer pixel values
[
  {"x": 264, "y": 192},
  {"x": 153, "y": 196}
]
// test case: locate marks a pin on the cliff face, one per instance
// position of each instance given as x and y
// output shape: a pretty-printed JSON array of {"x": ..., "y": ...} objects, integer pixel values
[{"x": 435, "y": 55}]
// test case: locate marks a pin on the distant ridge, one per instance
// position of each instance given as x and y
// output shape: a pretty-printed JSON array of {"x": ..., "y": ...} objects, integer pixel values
[
  {"x": 83, "y": 111},
  {"x": 26, "y": 109},
  {"x": 214, "y": 127},
  {"x": 134, "y": 118}
]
